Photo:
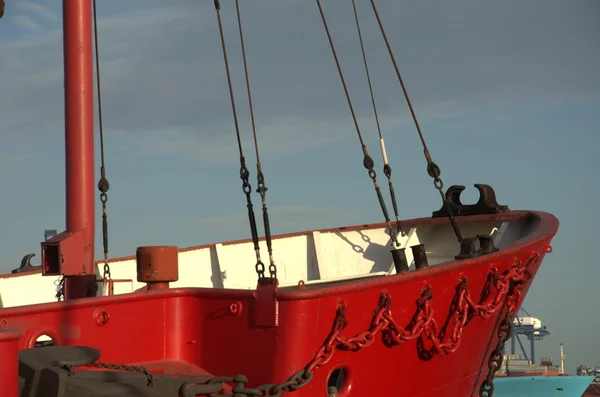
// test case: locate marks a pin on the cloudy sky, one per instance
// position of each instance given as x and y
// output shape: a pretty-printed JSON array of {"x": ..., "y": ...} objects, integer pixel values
[{"x": 507, "y": 92}]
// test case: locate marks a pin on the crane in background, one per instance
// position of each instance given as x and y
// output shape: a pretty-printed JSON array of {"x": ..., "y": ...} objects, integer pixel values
[{"x": 532, "y": 328}]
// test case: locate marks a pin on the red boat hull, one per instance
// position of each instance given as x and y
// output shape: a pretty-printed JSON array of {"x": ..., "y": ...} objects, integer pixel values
[{"x": 216, "y": 331}]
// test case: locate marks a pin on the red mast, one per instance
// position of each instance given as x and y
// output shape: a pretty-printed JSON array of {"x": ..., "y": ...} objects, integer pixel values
[
  {"x": 79, "y": 120},
  {"x": 71, "y": 253}
]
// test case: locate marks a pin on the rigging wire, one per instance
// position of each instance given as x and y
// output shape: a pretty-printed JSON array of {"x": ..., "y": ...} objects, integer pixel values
[
  {"x": 103, "y": 184},
  {"x": 244, "y": 173},
  {"x": 387, "y": 169},
  {"x": 432, "y": 168},
  {"x": 368, "y": 162},
  {"x": 262, "y": 188}
]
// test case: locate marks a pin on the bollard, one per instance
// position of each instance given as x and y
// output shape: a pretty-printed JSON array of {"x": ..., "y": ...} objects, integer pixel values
[{"x": 157, "y": 266}]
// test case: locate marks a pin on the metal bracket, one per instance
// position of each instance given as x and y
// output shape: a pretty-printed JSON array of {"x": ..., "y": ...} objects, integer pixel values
[
  {"x": 486, "y": 204},
  {"x": 60, "y": 356},
  {"x": 110, "y": 283},
  {"x": 65, "y": 255},
  {"x": 192, "y": 389},
  {"x": 53, "y": 372},
  {"x": 26, "y": 265},
  {"x": 472, "y": 247},
  {"x": 266, "y": 308}
]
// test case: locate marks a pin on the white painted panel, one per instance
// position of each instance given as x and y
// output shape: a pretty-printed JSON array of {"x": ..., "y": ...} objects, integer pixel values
[{"x": 312, "y": 257}]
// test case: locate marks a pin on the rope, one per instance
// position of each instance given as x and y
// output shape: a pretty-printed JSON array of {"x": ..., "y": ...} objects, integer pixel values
[
  {"x": 262, "y": 189},
  {"x": 244, "y": 173},
  {"x": 368, "y": 162},
  {"x": 103, "y": 184},
  {"x": 432, "y": 168},
  {"x": 387, "y": 169}
]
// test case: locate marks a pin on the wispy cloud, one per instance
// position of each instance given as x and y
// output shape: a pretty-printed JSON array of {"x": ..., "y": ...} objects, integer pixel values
[
  {"x": 37, "y": 9},
  {"x": 26, "y": 22},
  {"x": 10, "y": 160},
  {"x": 163, "y": 79},
  {"x": 279, "y": 136},
  {"x": 283, "y": 219}
]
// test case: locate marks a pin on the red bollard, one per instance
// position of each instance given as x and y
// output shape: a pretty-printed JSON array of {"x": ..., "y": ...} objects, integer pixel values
[
  {"x": 157, "y": 266},
  {"x": 9, "y": 364}
]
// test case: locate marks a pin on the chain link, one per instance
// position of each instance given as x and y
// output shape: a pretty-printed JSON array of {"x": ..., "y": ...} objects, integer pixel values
[
  {"x": 60, "y": 288},
  {"x": 368, "y": 163},
  {"x": 273, "y": 270},
  {"x": 247, "y": 189},
  {"x": 260, "y": 269},
  {"x": 496, "y": 358},
  {"x": 129, "y": 368},
  {"x": 106, "y": 275},
  {"x": 424, "y": 324},
  {"x": 115, "y": 367},
  {"x": 295, "y": 382},
  {"x": 103, "y": 187}
]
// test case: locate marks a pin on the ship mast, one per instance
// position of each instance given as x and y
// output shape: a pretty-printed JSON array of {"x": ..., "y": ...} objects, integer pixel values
[
  {"x": 71, "y": 253},
  {"x": 562, "y": 360},
  {"x": 79, "y": 126}
]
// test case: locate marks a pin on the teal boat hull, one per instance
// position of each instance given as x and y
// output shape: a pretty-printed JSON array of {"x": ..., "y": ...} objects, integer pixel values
[{"x": 541, "y": 386}]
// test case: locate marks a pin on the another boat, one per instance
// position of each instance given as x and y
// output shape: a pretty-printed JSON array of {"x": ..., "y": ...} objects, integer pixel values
[
  {"x": 523, "y": 377},
  {"x": 541, "y": 386},
  {"x": 342, "y": 312}
]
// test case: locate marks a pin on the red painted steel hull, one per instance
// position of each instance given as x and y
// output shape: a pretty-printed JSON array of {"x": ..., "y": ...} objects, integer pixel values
[
  {"x": 592, "y": 391},
  {"x": 206, "y": 328}
]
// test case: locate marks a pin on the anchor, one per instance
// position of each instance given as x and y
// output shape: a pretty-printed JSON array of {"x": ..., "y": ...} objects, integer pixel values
[{"x": 486, "y": 204}]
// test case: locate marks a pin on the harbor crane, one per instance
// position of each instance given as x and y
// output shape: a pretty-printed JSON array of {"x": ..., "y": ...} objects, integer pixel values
[{"x": 532, "y": 328}]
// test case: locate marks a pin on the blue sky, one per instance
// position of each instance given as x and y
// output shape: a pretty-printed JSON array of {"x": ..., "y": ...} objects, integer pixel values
[{"x": 507, "y": 93}]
